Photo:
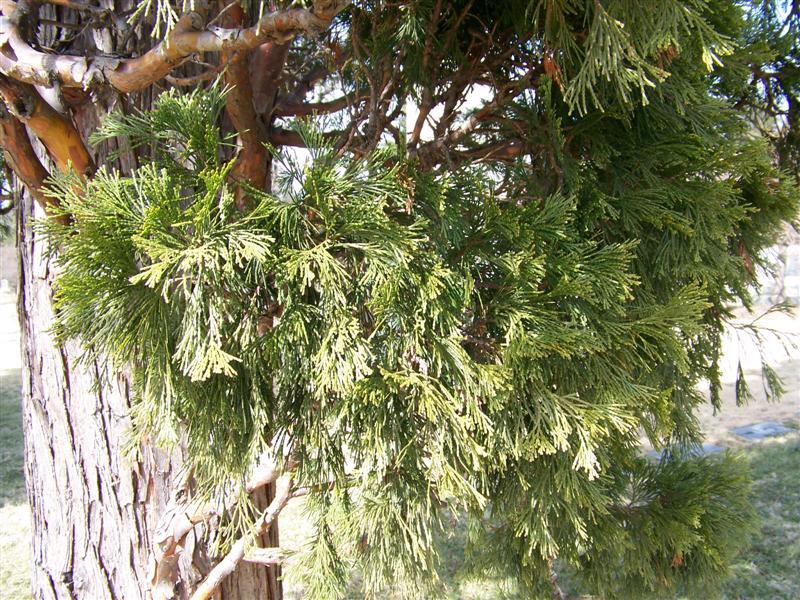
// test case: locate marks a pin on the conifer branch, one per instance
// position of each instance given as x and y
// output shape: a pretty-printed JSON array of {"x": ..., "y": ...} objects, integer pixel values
[
  {"x": 287, "y": 137},
  {"x": 441, "y": 148}
]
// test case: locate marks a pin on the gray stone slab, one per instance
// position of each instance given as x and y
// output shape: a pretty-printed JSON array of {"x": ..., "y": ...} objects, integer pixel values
[
  {"x": 703, "y": 450},
  {"x": 710, "y": 449},
  {"x": 759, "y": 431}
]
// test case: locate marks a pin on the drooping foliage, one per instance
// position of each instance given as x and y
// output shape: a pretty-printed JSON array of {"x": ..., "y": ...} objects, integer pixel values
[{"x": 490, "y": 337}]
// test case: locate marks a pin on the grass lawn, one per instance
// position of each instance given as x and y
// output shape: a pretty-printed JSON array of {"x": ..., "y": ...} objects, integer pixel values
[{"x": 769, "y": 569}]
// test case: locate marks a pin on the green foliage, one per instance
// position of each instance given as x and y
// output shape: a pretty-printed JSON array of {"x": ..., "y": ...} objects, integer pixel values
[{"x": 488, "y": 338}]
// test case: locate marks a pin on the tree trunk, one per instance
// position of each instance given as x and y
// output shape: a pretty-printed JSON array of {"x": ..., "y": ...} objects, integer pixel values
[{"x": 94, "y": 509}]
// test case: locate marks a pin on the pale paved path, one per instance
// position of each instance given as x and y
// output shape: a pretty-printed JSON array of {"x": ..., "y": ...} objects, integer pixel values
[{"x": 786, "y": 361}]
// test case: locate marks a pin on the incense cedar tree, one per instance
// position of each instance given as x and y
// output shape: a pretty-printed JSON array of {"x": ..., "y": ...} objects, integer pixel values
[{"x": 404, "y": 259}]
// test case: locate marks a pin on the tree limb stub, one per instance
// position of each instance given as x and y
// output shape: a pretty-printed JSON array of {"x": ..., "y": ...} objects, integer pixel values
[{"x": 20, "y": 61}]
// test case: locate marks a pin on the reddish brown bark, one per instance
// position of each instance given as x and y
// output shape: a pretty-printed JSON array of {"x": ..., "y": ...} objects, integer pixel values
[
  {"x": 251, "y": 164},
  {"x": 20, "y": 156},
  {"x": 56, "y": 131}
]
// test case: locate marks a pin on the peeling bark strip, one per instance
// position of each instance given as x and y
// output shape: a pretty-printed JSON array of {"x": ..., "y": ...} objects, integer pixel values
[{"x": 24, "y": 63}]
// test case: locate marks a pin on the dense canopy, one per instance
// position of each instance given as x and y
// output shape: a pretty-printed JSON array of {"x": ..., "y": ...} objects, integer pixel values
[{"x": 461, "y": 257}]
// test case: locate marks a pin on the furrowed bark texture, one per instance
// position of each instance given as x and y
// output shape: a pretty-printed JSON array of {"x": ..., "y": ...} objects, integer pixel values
[{"x": 93, "y": 511}]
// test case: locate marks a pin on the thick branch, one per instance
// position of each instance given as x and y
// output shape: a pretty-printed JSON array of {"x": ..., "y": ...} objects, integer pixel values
[
  {"x": 57, "y": 132},
  {"x": 307, "y": 82},
  {"x": 303, "y": 109},
  {"x": 20, "y": 156},
  {"x": 265, "y": 556},
  {"x": 180, "y": 517},
  {"x": 24, "y": 63},
  {"x": 251, "y": 164},
  {"x": 266, "y": 68},
  {"x": 439, "y": 152}
]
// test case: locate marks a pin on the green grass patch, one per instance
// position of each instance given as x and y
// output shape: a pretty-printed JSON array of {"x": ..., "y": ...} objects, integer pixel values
[
  {"x": 12, "y": 478},
  {"x": 770, "y": 567}
]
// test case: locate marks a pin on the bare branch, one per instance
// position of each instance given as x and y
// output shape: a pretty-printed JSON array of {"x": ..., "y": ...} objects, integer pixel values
[
  {"x": 22, "y": 62},
  {"x": 300, "y": 109},
  {"x": 193, "y": 80},
  {"x": 265, "y": 556},
  {"x": 180, "y": 517},
  {"x": 286, "y": 137},
  {"x": 314, "y": 76}
]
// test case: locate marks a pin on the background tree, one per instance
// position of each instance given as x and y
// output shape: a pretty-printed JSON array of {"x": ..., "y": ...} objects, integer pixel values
[{"x": 506, "y": 248}]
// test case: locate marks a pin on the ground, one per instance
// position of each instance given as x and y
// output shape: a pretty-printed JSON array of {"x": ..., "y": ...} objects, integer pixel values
[{"x": 767, "y": 570}]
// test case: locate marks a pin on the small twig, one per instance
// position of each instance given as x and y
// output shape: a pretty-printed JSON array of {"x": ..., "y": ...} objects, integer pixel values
[{"x": 195, "y": 79}]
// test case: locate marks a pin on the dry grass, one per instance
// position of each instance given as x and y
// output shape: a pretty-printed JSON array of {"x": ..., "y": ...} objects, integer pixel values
[{"x": 15, "y": 527}]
